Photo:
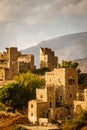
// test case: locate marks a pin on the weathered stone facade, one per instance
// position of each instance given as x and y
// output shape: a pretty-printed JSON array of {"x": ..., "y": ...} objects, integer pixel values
[
  {"x": 12, "y": 62},
  {"x": 56, "y": 99},
  {"x": 81, "y": 104},
  {"x": 47, "y": 58},
  {"x": 65, "y": 81},
  {"x": 26, "y": 62}
]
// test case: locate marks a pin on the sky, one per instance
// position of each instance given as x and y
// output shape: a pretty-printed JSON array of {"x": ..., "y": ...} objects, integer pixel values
[{"x": 25, "y": 23}]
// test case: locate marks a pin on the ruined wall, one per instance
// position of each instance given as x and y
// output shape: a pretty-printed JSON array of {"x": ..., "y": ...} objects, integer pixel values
[
  {"x": 41, "y": 94},
  {"x": 32, "y": 111},
  {"x": 48, "y": 59},
  {"x": 57, "y": 114},
  {"x": 36, "y": 109},
  {"x": 81, "y": 105},
  {"x": 26, "y": 63},
  {"x": 1, "y": 74},
  {"x": 12, "y": 62},
  {"x": 51, "y": 96}
]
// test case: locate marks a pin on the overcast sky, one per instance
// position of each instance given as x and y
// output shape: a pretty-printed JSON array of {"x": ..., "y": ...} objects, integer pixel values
[{"x": 24, "y": 23}]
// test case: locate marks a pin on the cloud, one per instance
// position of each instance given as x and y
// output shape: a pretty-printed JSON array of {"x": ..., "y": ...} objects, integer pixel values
[
  {"x": 32, "y": 11},
  {"x": 29, "y": 21}
]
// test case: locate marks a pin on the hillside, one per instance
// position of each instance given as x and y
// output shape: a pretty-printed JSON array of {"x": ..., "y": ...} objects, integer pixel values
[
  {"x": 73, "y": 46},
  {"x": 82, "y": 64}
]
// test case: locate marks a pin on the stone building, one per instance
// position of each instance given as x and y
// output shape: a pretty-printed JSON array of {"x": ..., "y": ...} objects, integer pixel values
[
  {"x": 12, "y": 62},
  {"x": 25, "y": 63},
  {"x": 55, "y": 101},
  {"x": 48, "y": 59},
  {"x": 65, "y": 81},
  {"x": 80, "y": 103}
]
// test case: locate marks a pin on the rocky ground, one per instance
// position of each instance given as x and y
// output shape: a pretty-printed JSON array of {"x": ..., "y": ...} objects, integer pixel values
[{"x": 7, "y": 120}]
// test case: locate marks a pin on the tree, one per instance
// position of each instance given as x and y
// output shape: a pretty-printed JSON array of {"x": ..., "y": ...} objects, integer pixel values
[
  {"x": 41, "y": 71},
  {"x": 69, "y": 64},
  {"x": 31, "y": 81},
  {"x": 13, "y": 95}
]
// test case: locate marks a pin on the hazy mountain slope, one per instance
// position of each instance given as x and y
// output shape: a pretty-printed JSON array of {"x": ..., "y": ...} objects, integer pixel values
[
  {"x": 73, "y": 46},
  {"x": 82, "y": 65}
]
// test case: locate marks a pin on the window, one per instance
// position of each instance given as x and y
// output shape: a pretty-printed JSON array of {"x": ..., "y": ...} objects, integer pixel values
[
  {"x": 57, "y": 104},
  {"x": 70, "y": 95},
  {"x": 41, "y": 96},
  {"x": 31, "y": 105},
  {"x": 58, "y": 80},
  {"x": 31, "y": 114},
  {"x": 71, "y": 81},
  {"x": 50, "y": 104},
  {"x": 61, "y": 97},
  {"x": 50, "y": 79}
]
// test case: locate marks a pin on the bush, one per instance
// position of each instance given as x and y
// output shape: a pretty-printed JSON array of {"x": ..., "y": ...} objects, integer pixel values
[
  {"x": 76, "y": 124},
  {"x": 41, "y": 71},
  {"x": 30, "y": 81},
  {"x": 10, "y": 109},
  {"x": 18, "y": 127},
  {"x": 2, "y": 107},
  {"x": 15, "y": 96}
]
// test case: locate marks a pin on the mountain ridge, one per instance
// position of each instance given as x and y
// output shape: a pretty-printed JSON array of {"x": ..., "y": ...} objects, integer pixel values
[{"x": 68, "y": 47}]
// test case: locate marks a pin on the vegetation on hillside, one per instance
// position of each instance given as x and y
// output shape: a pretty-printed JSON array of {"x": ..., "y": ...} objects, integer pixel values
[
  {"x": 68, "y": 64},
  {"x": 82, "y": 80},
  {"x": 13, "y": 95},
  {"x": 31, "y": 81},
  {"x": 16, "y": 95},
  {"x": 18, "y": 127},
  {"x": 76, "y": 123},
  {"x": 41, "y": 71}
]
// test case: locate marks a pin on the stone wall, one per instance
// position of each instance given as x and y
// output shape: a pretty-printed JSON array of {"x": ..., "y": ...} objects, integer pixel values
[
  {"x": 65, "y": 81},
  {"x": 12, "y": 62},
  {"x": 81, "y": 105},
  {"x": 26, "y": 63},
  {"x": 36, "y": 109},
  {"x": 48, "y": 59}
]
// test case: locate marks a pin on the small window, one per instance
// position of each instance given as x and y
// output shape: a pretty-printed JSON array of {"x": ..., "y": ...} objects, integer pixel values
[
  {"x": 71, "y": 81},
  {"x": 50, "y": 79},
  {"x": 50, "y": 104},
  {"x": 31, "y": 105},
  {"x": 61, "y": 97},
  {"x": 41, "y": 96},
  {"x": 70, "y": 95},
  {"x": 58, "y": 80},
  {"x": 31, "y": 114}
]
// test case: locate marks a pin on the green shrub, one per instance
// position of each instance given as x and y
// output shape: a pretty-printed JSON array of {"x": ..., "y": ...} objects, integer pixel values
[
  {"x": 76, "y": 124},
  {"x": 9, "y": 109},
  {"x": 18, "y": 127},
  {"x": 15, "y": 96},
  {"x": 2, "y": 107}
]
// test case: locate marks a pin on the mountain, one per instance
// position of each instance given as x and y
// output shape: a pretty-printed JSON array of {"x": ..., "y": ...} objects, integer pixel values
[
  {"x": 82, "y": 64},
  {"x": 68, "y": 47}
]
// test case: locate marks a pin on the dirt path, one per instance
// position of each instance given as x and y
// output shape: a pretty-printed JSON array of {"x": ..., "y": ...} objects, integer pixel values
[{"x": 7, "y": 122}]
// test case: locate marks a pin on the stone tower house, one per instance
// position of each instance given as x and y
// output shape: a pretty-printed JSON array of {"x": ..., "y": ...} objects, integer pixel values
[
  {"x": 65, "y": 81},
  {"x": 55, "y": 101},
  {"x": 48, "y": 59},
  {"x": 12, "y": 62},
  {"x": 9, "y": 63}
]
